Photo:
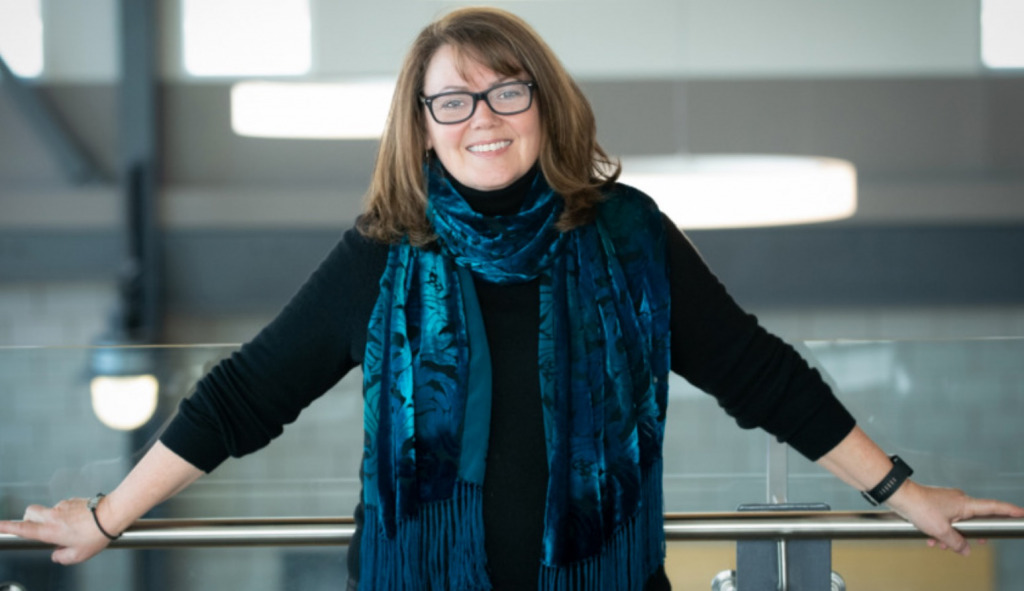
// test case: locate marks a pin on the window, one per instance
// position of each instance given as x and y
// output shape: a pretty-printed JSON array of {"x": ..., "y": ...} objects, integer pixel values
[
  {"x": 354, "y": 110},
  {"x": 246, "y": 37},
  {"x": 1002, "y": 33},
  {"x": 21, "y": 36}
]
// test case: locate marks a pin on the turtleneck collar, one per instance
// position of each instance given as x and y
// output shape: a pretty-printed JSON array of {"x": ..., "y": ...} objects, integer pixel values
[{"x": 505, "y": 201}]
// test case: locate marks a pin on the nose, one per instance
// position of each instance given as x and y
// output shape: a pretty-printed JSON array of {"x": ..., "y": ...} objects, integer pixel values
[{"x": 484, "y": 115}]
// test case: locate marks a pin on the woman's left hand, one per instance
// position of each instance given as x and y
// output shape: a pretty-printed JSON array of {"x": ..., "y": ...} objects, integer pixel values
[{"x": 934, "y": 510}]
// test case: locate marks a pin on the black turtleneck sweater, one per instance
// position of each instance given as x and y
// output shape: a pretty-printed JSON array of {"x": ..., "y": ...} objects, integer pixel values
[{"x": 320, "y": 335}]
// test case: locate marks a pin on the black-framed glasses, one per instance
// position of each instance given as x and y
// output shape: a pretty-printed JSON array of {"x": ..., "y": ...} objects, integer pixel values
[{"x": 507, "y": 98}]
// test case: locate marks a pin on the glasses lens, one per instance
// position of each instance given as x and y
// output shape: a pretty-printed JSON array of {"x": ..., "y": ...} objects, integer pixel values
[
  {"x": 452, "y": 107},
  {"x": 508, "y": 99}
]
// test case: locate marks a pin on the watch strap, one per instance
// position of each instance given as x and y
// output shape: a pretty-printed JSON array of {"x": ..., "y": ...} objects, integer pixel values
[
  {"x": 883, "y": 490},
  {"x": 91, "y": 505}
]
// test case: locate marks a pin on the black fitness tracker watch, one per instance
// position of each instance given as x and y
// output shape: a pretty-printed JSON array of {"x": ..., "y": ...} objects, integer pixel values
[{"x": 892, "y": 481}]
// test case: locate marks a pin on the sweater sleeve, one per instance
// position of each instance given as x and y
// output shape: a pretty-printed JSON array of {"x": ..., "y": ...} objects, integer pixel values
[
  {"x": 247, "y": 399},
  {"x": 756, "y": 378}
]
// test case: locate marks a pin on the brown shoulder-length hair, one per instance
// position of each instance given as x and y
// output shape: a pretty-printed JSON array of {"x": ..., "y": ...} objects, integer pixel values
[{"x": 571, "y": 159}]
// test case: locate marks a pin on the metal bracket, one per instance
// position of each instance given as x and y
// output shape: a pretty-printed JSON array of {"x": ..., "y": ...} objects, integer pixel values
[{"x": 793, "y": 565}]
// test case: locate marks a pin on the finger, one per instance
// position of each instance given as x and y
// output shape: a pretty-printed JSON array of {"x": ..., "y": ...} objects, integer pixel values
[
  {"x": 36, "y": 513},
  {"x": 25, "y": 529},
  {"x": 957, "y": 543},
  {"x": 65, "y": 556},
  {"x": 980, "y": 507}
]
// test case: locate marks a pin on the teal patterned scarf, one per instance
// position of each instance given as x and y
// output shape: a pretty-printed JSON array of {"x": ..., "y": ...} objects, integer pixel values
[{"x": 604, "y": 361}]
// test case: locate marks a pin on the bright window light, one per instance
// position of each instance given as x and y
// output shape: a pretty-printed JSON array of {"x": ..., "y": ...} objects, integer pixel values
[
  {"x": 355, "y": 110},
  {"x": 246, "y": 37},
  {"x": 1002, "y": 33},
  {"x": 21, "y": 36},
  {"x": 745, "y": 190}
]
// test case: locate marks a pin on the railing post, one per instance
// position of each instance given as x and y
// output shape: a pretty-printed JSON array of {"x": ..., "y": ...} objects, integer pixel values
[{"x": 790, "y": 565}]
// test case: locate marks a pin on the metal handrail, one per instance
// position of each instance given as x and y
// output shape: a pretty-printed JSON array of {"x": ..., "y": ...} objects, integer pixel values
[{"x": 329, "y": 531}]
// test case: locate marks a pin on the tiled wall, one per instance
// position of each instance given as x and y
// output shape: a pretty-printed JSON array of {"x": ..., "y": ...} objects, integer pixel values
[{"x": 48, "y": 314}]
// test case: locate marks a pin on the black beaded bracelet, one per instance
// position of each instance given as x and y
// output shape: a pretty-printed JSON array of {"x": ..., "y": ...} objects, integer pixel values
[
  {"x": 892, "y": 481},
  {"x": 92, "y": 504}
]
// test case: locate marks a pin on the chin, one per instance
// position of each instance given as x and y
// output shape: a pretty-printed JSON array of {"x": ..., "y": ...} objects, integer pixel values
[{"x": 494, "y": 182}]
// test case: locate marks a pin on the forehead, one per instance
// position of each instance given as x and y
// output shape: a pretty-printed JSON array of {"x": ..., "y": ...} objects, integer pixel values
[{"x": 454, "y": 66}]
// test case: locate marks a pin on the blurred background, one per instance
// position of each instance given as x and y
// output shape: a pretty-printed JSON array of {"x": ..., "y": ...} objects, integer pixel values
[
  {"x": 900, "y": 90},
  {"x": 154, "y": 190}
]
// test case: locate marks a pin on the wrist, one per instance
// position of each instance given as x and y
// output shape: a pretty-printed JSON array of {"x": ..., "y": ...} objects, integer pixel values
[
  {"x": 905, "y": 497},
  {"x": 890, "y": 483},
  {"x": 99, "y": 506}
]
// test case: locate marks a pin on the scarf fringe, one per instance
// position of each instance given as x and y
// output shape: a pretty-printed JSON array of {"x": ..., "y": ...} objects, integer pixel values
[
  {"x": 628, "y": 558},
  {"x": 441, "y": 548}
]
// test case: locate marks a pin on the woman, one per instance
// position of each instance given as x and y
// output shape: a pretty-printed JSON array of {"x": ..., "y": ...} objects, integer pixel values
[{"x": 496, "y": 246}]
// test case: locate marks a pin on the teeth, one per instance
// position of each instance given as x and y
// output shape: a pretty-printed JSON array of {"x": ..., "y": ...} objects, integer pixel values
[{"x": 489, "y": 147}]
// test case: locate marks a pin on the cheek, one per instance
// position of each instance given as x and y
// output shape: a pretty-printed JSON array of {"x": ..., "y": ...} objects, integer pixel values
[
  {"x": 441, "y": 138},
  {"x": 535, "y": 132}
]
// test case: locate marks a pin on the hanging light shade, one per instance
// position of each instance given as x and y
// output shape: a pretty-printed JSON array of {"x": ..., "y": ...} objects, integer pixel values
[
  {"x": 124, "y": 403},
  {"x": 737, "y": 191},
  {"x": 124, "y": 391}
]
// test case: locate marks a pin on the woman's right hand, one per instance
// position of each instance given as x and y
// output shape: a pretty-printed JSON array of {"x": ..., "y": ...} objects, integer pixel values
[{"x": 68, "y": 525}]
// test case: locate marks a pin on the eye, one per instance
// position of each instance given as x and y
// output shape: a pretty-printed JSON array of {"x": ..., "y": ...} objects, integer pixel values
[
  {"x": 511, "y": 93},
  {"x": 451, "y": 103}
]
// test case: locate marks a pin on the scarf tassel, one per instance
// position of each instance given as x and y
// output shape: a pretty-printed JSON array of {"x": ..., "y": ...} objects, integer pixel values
[
  {"x": 438, "y": 549},
  {"x": 628, "y": 558}
]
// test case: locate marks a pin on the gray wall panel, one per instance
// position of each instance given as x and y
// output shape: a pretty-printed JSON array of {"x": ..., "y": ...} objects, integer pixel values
[{"x": 257, "y": 271}]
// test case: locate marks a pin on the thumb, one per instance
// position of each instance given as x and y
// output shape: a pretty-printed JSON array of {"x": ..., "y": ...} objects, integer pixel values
[
  {"x": 62, "y": 556},
  {"x": 67, "y": 555}
]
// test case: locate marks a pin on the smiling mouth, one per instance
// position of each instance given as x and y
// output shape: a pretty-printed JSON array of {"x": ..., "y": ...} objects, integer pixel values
[{"x": 491, "y": 147}]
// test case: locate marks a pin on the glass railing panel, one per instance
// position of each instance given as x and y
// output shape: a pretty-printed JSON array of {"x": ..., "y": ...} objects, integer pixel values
[
  {"x": 53, "y": 445},
  {"x": 950, "y": 408},
  {"x": 954, "y": 410},
  {"x": 710, "y": 463}
]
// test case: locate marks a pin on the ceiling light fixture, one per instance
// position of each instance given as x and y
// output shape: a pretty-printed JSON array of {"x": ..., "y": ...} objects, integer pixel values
[
  {"x": 745, "y": 190},
  {"x": 123, "y": 388}
]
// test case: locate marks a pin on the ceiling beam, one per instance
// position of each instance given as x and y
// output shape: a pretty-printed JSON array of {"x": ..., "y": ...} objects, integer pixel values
[{"x": 78, "y": 166}]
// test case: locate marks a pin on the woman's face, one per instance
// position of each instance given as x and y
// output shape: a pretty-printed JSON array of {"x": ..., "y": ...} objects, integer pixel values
[{"x": 487, "y": 151}]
